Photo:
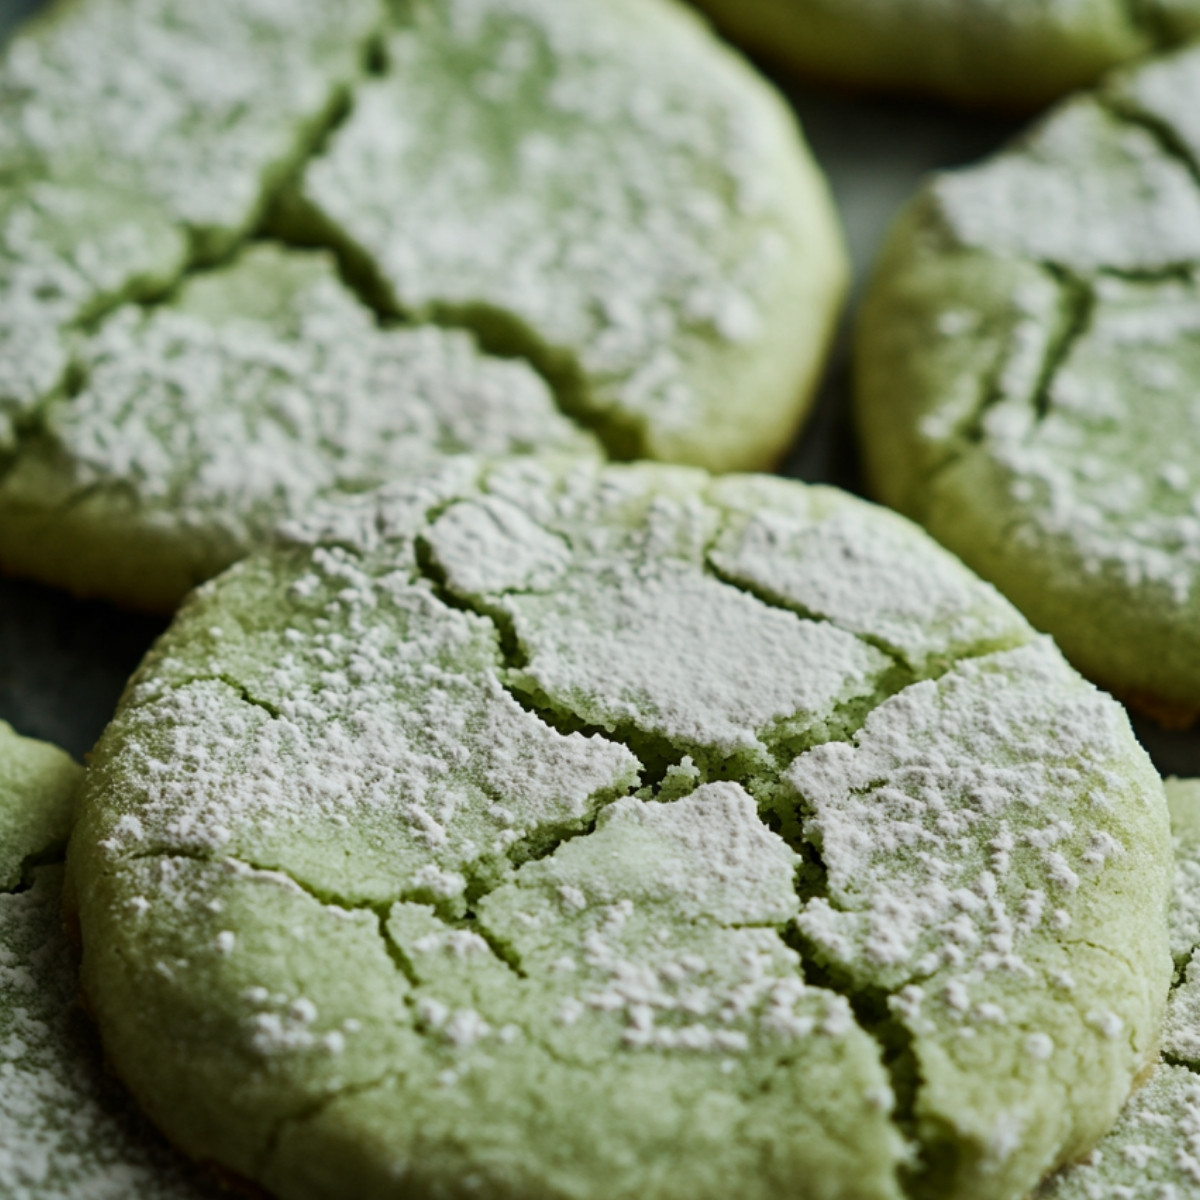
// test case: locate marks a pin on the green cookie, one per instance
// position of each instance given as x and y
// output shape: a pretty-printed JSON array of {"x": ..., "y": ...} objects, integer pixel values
[
  {"x": 553, "y": 829},
  {"x": 200, "y": 425},
  {"x": 138, "y": 137},
  {"x": 1027, "y": 361},
  {"x": 597, "y": 187},
  {"x": 1153, "y": 1152},
  {"x": 65, "y": 1132},
  {"x": 37, "y": 787},
  {"x": 1181, "y": 1036},
  {"x": 1007, "y": 54},
  {"x": 601, "y": 187}
]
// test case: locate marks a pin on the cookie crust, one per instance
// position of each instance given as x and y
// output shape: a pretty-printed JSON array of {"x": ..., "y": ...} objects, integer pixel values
[
  {"x": 517, "y": 827},
  {"x": 1024, "y": 387}
]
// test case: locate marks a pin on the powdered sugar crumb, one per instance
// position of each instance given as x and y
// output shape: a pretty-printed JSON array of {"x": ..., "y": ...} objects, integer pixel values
[{"x": 65, "y": 1131}]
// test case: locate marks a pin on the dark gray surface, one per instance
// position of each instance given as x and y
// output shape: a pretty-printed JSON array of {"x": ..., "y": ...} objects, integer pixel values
[{"x": 63, "y": 664}]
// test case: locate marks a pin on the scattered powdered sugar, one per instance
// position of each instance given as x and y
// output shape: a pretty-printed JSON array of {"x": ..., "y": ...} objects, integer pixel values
[
  {"x": 851, "y": 565},
  {"x": 1183, "y": 796},
  {"x": 376, "y": 709},
  {"x": 388, "y": 729},
  {"x": 136, "y": 135},
  {"x": 285, "y": 1026},
  {"x": 960, "y": 809},
  {"x": 1154, "y": 1149},
  {"x": 66, "y": 1130},
  {"x": 1089, "y": 476},
  {"x": 604, "y": 177},
  {"x": 686, "y": 657},
  {"x": 1152, "y": 1153},
  {"x": 1181, "y": 1034},
  {"x": 493, "y": 546},
  {"x": 641, "y": 634},
  {"x": 67, "y": 249},
  {"x": 1071, "y": 479},
  {"x": 1166, "y": 92},
  {"x": 262, "y": 386},
  {"x": 708, "y": 856},
  {"x": 655, "y": 915},
  {"x": 607, "y": 189},
  {"x": 1106, "y": 193},
  {"x": 196, "y": 109}
]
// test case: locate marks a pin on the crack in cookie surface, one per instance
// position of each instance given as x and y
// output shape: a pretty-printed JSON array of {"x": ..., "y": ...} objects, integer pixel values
[
  {"x": 341, "y": 712},
  {"x": 127, "y": 256},
  {"x": 1152, "y": 1149},
  {"x": 1036, "y": 375}
]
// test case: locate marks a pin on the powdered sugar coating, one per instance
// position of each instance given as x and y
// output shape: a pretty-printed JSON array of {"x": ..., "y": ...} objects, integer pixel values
[
  {"x": 1153, "y": 1152},
  {"x": 1094, "y": 474},
  {"x": 1183, "y": 795},
  {"x": 583, "y": 862},
  {"x": 941, "y": 828},
  {"x": 1108, "y": 196},
  {"x": 663, "y": 648},
  {"x": 854, "y": 568},
  {"x": 260, "y": 387},
  {"x": 137, "y": 136},
  {"x": 602, "y": 186},
  {"x": 707, "y": 856},
  {"x": 65, "y": 1131},
  {"x": 1154, "y": 1149},
  {"x": 1181, "y": 1035},
  {"x": 601, "y": 189},
  {"x": 198, "y": 111},
  {"x": 461, "y": 775},
  {"x": 1038, "y": 376},
  {"x": 67, "y": 250}
]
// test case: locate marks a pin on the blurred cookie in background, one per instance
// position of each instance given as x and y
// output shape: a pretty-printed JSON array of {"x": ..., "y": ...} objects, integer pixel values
[
  {"x": 1027, "y": 360},
  {"x": 1001, "y": 54}
]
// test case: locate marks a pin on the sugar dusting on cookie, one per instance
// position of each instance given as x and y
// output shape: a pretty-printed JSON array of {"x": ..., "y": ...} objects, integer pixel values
[
  {"x": 1028, "y": 384},
  {"x": 516, "y": 734},
  {"x": 576, "y": 172}
]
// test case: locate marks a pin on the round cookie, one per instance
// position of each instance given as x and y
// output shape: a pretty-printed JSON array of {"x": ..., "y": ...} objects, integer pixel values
[
  {"x": 1025, "y": 384},
  {"x": 602, "y": 188},
  {"x": 1008, "y": 54},
  {"x": 560, "y": 829},
  {"x": 1153, "y": 1151},
  {"x": 37, "y": 789},
  {"x": 65, "y": 1131},
  {"x": 598, "y": 188}
]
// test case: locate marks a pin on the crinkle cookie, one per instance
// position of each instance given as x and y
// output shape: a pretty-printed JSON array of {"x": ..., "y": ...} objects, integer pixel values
[
  {"x": 597, "y": 187},
  {"x": 603, "y": 188},
  {"x": 1027, "y": 361},
  {"x": 570, "y": 830},
  {"x": 199, "y": 424},
  {"x": 1008, "y": 54},
  {"x": 1153, "y": 1152},
  {"x": 65, "y": 1131}
]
